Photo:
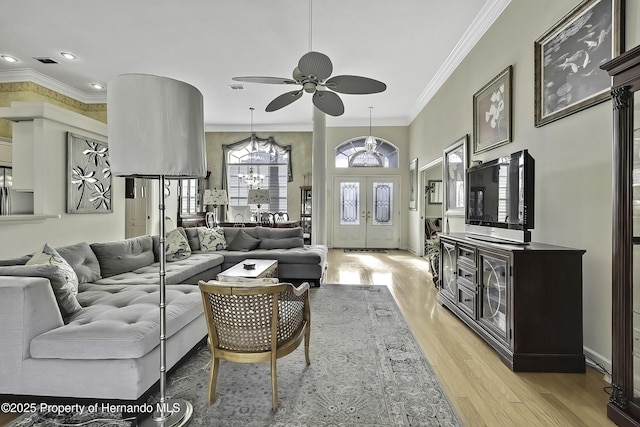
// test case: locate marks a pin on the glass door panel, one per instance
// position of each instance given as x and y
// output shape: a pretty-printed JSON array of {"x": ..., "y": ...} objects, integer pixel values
[
  {"x": 494, "y": 294},
  {"x": 448, "y": 268},
  {"x": 350, "y": 203},
  {"x": 382, "y": 203}
]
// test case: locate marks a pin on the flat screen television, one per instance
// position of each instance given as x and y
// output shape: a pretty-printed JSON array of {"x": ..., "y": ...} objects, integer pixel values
[{"x": 499, "y": 199}]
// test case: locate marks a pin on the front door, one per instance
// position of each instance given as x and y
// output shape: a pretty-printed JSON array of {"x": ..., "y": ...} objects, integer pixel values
[{"x": 366, "y": 213}]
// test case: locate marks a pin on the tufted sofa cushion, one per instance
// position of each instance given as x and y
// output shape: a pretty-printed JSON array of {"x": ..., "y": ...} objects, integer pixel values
[
  {"x": 280, "y": 238},
  {"x": 124, "y": 255},
  {"x": 83, "y": 261},
  {"x": 175, "y": 272},
  {"x": 118, "y": 322}
]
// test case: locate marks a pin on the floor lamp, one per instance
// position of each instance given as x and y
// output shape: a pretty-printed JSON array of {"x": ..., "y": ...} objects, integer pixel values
[
  {"x": 214, "y": 198},
  {"x": 156, "y": 131}
]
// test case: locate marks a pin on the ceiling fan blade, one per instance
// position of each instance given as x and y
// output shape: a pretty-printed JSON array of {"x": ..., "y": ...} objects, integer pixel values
[
  {"x": 328, "y": 102},
  {"x": 268, "y": 80},
  {"x": 315, "y": 64},
  {"x": 355, "y": 85},
  {"x": 283, "y": 100}
]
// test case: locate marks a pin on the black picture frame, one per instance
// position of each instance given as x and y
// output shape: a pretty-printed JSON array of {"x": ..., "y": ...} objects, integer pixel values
[{"x": 568, "y": 57}]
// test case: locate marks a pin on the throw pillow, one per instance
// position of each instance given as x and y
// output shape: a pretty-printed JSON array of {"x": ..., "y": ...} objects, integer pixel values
[
  {"x": 211, "y": 239},
  {"x": 176, "y": 245},
  {"x": 49, "y": 256},
  {"x": 62, "y": 290},
  {"x": 243, "y": 242}
]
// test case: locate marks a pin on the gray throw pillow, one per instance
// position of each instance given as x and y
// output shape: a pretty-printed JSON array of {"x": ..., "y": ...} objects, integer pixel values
[
  {"x": 83, "y": 261},
  {"x": 124, "y": 255},
  {"x": 243, "y": 242},
  {"x": 63, "y": 291},
  {"x": 230, "y": 232},
  {"x": 192, "y": 237}
]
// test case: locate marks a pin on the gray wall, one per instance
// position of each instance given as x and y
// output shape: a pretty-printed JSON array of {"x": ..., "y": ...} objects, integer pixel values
[{"x": 573, "y": 155}]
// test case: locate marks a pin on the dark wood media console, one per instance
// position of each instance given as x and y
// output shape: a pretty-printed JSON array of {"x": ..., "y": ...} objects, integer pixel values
[{"x": 525, "y": 301}]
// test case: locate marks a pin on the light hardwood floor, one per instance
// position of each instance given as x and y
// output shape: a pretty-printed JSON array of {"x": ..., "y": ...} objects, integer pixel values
[{"x": 482, "y": 389}]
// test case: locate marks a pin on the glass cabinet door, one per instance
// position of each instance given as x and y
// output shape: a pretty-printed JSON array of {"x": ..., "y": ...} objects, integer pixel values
[
  {"x": 447, "y": 270},
  {"x": 494, "y": 294}
]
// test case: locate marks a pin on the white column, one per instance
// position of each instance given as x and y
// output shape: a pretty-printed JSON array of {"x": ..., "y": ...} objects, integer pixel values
[{"x": 318, "y": 179}]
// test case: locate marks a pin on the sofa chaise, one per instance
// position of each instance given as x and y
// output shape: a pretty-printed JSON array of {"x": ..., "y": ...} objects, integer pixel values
[{"x": 103, "y": 342}]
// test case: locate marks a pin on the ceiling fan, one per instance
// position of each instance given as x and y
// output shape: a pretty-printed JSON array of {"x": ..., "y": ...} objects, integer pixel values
[{"x": 312, "y": 74}]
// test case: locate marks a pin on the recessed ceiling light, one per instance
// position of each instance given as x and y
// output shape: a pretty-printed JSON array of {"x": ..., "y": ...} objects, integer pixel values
[
  {"x": 9, "y": 58},
  {"x": 68, "y": 55},
  {"x": 97, "y": 86}
]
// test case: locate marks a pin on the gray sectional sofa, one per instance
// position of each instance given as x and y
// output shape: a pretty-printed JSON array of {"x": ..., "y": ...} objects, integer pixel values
[{"x": 103, "y": 343}]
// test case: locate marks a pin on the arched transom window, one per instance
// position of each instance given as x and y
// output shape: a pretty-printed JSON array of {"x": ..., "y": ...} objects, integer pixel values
[{"x": 355, "y": 153}]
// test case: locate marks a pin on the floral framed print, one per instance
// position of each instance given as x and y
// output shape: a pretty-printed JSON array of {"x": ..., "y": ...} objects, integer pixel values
[
  {"x": 88, "y": 175},
  {"x": 454, "y": 171},
  {"x": 413, "y": 184},
  {"x": 568, "y": 56},
  {"x": 492, "y": 113}
]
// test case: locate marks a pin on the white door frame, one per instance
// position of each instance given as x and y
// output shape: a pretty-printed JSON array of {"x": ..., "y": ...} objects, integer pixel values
[
  {"x": 422, "y": 203},
  {"x": 365, "y": 227}
]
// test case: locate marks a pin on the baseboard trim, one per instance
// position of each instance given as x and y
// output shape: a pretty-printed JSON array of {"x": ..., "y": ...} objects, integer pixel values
[{"x": 598, "y": 358}]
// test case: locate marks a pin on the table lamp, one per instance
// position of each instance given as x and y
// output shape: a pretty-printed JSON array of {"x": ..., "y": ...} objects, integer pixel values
[
  {"x": 258, "y": 197},
  {"x": 156, "y": 131},
  {"x": 214, "y": 198}
]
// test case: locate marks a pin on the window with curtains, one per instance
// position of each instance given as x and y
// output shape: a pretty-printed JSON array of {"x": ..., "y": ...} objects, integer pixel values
[{"x": 267, "y": 163}]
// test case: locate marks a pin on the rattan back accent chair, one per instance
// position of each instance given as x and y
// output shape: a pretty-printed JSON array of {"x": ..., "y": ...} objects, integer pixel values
[{"x": 251, "y": 323}]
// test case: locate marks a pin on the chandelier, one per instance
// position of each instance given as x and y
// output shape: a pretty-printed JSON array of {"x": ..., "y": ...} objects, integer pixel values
[
  {"x": 251, "y": 179},
  {"x": 370, "y": 144}
]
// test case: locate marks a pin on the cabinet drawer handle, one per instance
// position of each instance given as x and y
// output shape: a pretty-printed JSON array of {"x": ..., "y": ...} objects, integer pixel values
[{"x": 468, "y": 299}]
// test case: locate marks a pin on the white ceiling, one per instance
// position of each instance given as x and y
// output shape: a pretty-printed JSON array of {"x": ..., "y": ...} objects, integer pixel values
[{"x": 411, "y": 45}]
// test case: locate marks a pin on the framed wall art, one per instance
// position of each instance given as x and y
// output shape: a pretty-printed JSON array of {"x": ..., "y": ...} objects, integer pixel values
[
  {"x": 434, "y": 187},
  {"x": 413, "y": 184},
  {"x": 88, "y": 175},
  {"x": 568, "y": 56},
  {"x": 492, "y": 113},
  {"x": 454, "y": 170}
]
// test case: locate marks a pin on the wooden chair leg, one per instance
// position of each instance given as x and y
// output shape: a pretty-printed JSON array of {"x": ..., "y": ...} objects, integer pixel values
[
  {"x": 213, "y": 379},
  {"x": 274, "y": 383},
  {"x": 307, "y": 336}
]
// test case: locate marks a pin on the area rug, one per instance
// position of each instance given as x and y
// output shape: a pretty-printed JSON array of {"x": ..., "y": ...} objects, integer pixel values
[
  {"x": 366, "y": 370},
  {"x": 377, "y": 251}
]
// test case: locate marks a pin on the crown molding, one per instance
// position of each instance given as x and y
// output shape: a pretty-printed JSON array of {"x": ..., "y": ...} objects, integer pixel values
[
  {"x": 485, "y": 19},
  {"x": 30, "y": 75}
]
